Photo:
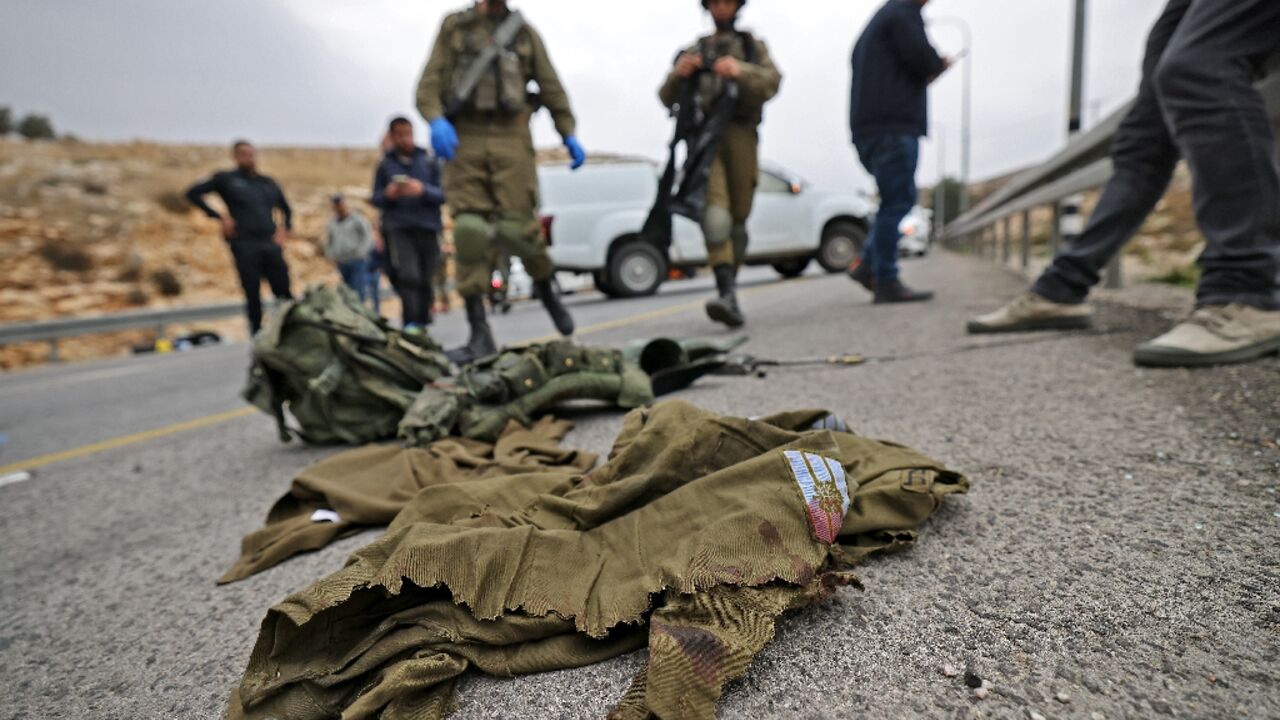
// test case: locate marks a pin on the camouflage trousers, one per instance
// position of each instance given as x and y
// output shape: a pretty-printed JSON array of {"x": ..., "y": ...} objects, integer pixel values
[
  {"x": 492, "y": 188},
  {"x": 730, "y": 194}
]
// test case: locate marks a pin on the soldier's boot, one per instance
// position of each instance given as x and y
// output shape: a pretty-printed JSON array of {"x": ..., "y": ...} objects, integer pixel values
[
  {"x": 724, "y": 309},
  {"x": 546, "y": 291},
  {"x": 480, "y": 344}
]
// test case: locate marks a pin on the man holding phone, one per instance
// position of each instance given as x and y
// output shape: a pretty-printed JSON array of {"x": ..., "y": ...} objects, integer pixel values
[{"x": 407, "y": 188}]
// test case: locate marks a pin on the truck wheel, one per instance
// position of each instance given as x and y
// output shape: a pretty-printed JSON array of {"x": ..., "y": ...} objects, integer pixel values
[
  {"x": 842, "y": 242},
  {"x": 792, "y": 267},
  {"x": 601, "y": 280},
  {"x": 636, "y": 268}
]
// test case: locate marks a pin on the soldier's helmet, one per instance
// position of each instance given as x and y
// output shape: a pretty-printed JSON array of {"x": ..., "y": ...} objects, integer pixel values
[{"x": 707, "y": 3}]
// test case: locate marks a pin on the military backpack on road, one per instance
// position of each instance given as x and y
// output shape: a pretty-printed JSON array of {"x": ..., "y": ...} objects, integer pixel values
[{"x": 342, "y": 373}]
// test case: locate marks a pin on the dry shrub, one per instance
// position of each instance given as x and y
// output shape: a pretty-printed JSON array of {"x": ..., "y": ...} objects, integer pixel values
[
  {"x": 1187, "y": 276},
  {"x": 137, "y": 297},
  {"x": 132, "y": 269},
  {"x": 174, "y": 202},
  {"x": 166, "y": 282},
  {"x": 66, "y": 255}
]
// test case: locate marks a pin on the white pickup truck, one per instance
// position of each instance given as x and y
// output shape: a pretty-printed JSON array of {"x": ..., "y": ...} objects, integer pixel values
[{"x": 593, "y": 218}]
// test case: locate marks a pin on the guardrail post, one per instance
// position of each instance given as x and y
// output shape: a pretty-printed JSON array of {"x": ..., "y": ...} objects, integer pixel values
[
  {"x": 1056, "y": 232},
  {"x": 1115, "y": 279},
  {"x": 1006, "y": 242},
  {"x": 53, "y": 351},
  {"x": 1026, "y": 239}
]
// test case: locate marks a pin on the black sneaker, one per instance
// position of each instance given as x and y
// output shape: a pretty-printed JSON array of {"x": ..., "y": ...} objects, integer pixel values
[{"x": 896, "y": 292}]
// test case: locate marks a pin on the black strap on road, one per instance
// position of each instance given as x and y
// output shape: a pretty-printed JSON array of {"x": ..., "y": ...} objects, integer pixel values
[{"x": 701, "y": 134}]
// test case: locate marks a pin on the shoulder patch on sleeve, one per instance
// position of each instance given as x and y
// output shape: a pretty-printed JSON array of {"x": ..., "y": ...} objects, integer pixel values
[{"x": 825, "y": 489}]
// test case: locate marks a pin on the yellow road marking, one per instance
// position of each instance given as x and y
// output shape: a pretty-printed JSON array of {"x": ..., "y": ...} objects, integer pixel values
[
  {"x": 126, "y": 441},
  {"x": 622, "y": 322},
  {"x": 655, "y": 314},
  {"x": 198, "y": 423}
]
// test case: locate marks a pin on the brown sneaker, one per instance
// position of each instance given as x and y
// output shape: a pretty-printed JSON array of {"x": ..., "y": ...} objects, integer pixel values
[
  {"x": 1033, "y": 312},
  {"x": 1214, "y": 335}
]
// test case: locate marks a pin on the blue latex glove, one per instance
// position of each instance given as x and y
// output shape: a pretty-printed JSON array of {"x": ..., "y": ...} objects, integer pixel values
[
  {"x": 576, "y": 153},
  {"x": 444, "y": 138}
]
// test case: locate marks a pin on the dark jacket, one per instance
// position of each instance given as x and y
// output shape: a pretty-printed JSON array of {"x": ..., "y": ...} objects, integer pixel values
[
  {"x": 418, "y": 213},
  {"x": 250, "y": 199},
  {"x": 893, "y": 64}
]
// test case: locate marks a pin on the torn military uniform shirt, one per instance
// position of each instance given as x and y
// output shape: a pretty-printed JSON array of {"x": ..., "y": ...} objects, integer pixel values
[
  {"x": 692, "y": 540},
  {"x": 368, "y": 486}
]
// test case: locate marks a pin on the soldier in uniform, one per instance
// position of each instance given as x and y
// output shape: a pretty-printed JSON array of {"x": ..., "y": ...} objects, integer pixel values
[
  {"x": 490, "y": 177},
  {"x": 728, "y": 55}
]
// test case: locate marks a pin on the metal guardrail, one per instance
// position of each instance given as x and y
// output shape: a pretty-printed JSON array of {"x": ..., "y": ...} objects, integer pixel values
[
  {"x": 1082, "y": 165},
  {"x": 51, "y": 331}
]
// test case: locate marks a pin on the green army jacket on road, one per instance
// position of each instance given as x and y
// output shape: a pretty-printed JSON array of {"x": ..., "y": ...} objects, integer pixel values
[
  {"x": 758, "y": 83},
  {"x": 694, "y": 538},
  {"x": 369, "y": 486},
  {"x": 462, "y": 35}
]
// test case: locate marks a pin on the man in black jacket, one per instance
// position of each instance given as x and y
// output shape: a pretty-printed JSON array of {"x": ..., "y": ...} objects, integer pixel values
[
  {"x": 893, "y": 65},
  {"x": 250, "y": 227}
]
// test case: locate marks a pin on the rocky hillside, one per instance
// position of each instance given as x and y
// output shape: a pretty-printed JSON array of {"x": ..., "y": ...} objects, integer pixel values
[{"x": 89, "y": 229}]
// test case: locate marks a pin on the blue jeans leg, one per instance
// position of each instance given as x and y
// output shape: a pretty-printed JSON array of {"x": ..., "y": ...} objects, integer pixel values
[
  {"x": 891, "y": 160},
  {"x": 373, "y": 281},
  {"x": 354, "y": 275}
]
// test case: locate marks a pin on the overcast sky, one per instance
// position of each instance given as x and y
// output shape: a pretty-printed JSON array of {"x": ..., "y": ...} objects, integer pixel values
[{"x": 331, "y": 72}]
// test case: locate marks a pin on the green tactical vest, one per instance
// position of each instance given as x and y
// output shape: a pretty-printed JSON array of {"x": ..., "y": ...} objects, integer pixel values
[
  {"x": 505, "y": 88},
  {"x": 340, "y": 371},
  {"x": 517, "y": 385}
]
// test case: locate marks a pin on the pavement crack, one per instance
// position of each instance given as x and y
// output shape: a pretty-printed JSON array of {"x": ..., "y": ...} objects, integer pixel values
[{"x": 999, "y": 344}]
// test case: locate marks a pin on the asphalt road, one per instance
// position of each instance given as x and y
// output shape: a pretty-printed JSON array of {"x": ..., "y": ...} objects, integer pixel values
[{"x": 1119, "y": 555}]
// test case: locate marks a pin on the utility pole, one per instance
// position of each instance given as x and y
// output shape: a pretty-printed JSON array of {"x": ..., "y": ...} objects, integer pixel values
[
  {"x": 940, "y": 190},
  {"x": 1077, "y": 71},
  {"x": 966, "y": 105},
  {"x": 966, "y": 117},
  {"x": 1072, "y": 221}
]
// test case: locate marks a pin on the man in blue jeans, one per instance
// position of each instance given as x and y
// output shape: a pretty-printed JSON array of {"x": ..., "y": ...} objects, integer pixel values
[{"x": 893, "y": 65}]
